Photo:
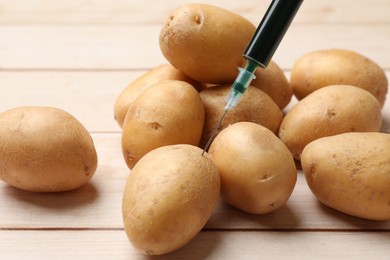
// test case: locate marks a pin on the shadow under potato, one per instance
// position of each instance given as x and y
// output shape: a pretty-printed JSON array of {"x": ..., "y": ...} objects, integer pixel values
[
  {"x": 385, "y": 125},
  {"x": 206, "y": 243},
  {"x": 86, "y": 194},
  {"x": 281, "y": 219},
  {"x": 352, "y": 221}
]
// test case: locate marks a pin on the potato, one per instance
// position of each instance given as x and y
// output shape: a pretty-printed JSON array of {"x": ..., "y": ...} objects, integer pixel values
[
  {"x": 131, "y": 92},
  {"x": 321, "y": 68},
  {"x": 169, "y": 196},
  {"x": 206, "y": 42},
  {"x": 274, "y": 83},
  {"x": 254, "y": 106},
  {"x": 45, "y": 149},
  {"x": 350, "y": 172},
  {"x": 257, "y": 170},
  {"x": 169, "y": 112},
  {"x": 328, "y": 111}
]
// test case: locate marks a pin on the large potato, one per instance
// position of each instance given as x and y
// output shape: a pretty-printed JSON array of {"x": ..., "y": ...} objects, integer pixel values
[
  {"x": 274, "y": 83},
  {"x": 257, "y": 170},
  {"x": 328, "y": 111},
  {"x": 206, "y": 42},
  {"x": 254, "y": 106},
  {"x": 168, "y": 198},
  {"x": 131, "y": 92},
  {"x": 350, "y": 172},
  {"x": 321, "y": 68},
  {"x": 45, "y": 149},
  {"x": 169, "y": 112}
]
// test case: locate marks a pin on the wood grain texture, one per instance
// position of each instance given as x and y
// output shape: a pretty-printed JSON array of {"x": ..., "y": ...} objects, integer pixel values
[
  {"x": 118, "y": 47},
  {"x": 155, "y": 12},
  {"x": 108, "y": 244}
]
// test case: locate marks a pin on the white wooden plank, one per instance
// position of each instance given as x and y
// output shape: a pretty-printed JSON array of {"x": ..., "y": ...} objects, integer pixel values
[
  {"x": 68, "y": 47},
  {"x": 154, "y": 11},
  {"x": 89, "y": 96},
  {"x": 108, "y": 244},
  {"x": 370, "y": 41},
  {"x": 113, "y": 12},
  {"x": 134, "y": 47},
  {"x": 98, "y": 204}
]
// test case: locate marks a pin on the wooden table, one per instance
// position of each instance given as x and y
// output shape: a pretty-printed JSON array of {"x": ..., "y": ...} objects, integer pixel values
[{"x": 79, "y": 55}]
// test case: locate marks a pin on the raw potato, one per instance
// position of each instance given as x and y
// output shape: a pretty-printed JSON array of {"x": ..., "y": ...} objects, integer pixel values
[
  {"x": 206, "y": 42},
  {"x": 254, "y": 106},
  {"x": 132, "y": 91},
  {"x": 351, "y": 173},
  {"x": 257, "y": 170},
  {"x": 169, "y": 112},
  {"x": 169, "y": 196},
  {"x": 328, "y": 111},
  {"x": 45, "y": 149},
  {"x": 274, "y": 83},
  {"x": 321, "y": 68}
]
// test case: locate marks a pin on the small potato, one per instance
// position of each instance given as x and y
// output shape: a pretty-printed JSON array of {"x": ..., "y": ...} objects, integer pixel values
[
  {"x": 321, "y": 68},
  {"x": 274, "y": 83},
  {"x": 206, "y": 42},
  {"x": 169, "y": 196},
  {"x": 257, "y": 170},
  {"x": 131, "y": 92},
  {"x": 328, "y": 111},
  {"x": 254, "y": 106},
  {"x": 45, "y": 149},
  {"x": 350, "y": 172},
  {"x": 169, "y": 112}
]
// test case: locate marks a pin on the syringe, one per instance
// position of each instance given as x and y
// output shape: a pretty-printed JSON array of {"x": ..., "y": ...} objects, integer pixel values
[{"x": 260, "y": 50}]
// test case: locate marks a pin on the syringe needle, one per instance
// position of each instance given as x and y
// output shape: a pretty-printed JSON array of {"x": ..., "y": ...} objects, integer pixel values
[
  {"x": 260, "y": 50},
  {"x": 239, "y": 86},
  {"x": 214, "y": 132}
]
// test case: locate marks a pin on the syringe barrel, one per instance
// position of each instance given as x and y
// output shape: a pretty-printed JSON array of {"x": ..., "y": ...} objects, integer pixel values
[{"x": 271, "y": 30}]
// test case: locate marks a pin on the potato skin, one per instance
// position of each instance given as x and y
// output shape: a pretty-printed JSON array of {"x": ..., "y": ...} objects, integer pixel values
[
  {"x": 258, "y": 172},
  {"x": 321, "y": 68},
  {"x": 254, "y": 106},
  {"x": 169, "y": 112},
  {"x": 274, "y": 83},
  {"x": 45, "y": 149},
  {"x": 350, "y": 173},
  {"x": 169, "y": 196},
  {"x": 201, "y": 41},
  {"x": 153, "y": 76},
  {"x": 328, "y": 111}
]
